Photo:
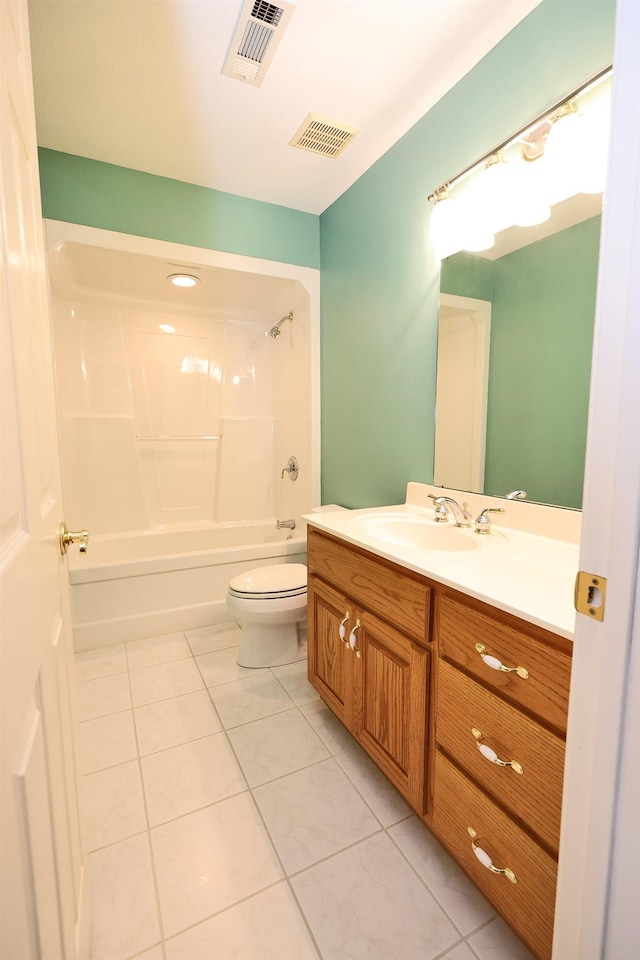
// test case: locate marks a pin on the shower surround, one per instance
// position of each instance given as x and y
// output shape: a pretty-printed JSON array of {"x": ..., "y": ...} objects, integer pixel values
[{"x": 177, "y": 413}]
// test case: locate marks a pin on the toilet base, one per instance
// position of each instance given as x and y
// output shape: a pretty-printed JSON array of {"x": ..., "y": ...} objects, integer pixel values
[{"x": 265, "y": 645}]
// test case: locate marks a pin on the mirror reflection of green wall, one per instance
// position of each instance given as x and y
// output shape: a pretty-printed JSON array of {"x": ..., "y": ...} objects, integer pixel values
[{"x": 543, "y": 306}]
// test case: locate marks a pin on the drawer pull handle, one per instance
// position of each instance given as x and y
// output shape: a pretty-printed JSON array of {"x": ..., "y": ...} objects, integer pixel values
[
  {"x": 489, "y": 754},
  {"x": 486, "y": 860},
  {"x": 352, "y": 639},
  {"x": 342, "y": 629},
  {"x": 496, "y": 664}
]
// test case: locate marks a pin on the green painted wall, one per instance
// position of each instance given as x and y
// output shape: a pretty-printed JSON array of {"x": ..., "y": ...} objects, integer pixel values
[
  {"x": 379, "y": 278},
  {"x": 467, "y": 275},
  {"x": 78, "y": 190},
  {"x": 541, "y": 338}
]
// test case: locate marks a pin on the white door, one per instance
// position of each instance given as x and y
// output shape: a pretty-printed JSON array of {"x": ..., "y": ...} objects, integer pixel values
[
  {"x": 40, "y": 849},
  {"x": 597, "y": 916}
]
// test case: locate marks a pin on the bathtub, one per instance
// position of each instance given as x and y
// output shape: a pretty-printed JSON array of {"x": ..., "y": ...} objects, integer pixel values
[{"x": 150, "y": 583}]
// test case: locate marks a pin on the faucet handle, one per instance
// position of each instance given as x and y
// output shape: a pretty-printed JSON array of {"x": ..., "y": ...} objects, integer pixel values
[
  {"x": 483, "y": 522},
  {"x": 291, "y": 467},
  {"x": 440, "y": 511}
]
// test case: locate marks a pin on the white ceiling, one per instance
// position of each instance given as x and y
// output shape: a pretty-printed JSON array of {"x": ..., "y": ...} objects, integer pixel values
[{"x": 138, "y": 83}]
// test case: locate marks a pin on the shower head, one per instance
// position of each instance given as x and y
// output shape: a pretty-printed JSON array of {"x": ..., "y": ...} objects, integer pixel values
[{"x": 276, "y": 331}]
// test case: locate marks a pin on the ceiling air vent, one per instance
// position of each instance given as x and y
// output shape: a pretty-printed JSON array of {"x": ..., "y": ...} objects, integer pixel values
[
  {"x": 256, "y": 40},
  {"x": 327, "y": 137}
]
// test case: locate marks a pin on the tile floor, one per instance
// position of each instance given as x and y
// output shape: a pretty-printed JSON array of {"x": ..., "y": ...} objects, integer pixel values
[{"x": 231, "y": 817}]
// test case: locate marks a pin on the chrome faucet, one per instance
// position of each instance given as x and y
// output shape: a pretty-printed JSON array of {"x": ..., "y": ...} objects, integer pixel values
[
  {"x": 483, "y": 522},
  {"x": 291, "y": 524},
  {"x": 460, "y": 514},
  {"x": 291, "y": 467},
  {"x": 516, "y": 495}
]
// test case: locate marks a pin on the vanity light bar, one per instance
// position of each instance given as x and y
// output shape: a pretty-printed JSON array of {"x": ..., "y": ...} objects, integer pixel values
[{"x": 554, "y": 112}]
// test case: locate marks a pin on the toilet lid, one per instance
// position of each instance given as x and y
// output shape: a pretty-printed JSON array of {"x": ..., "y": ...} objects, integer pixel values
[{"x": 277, "y": 580}]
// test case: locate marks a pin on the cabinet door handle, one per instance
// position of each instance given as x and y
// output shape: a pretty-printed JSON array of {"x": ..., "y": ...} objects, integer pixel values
[
  {"x": 496, "y": 664},
  {"x": 352, "y": 639},
  {"x": 490, "y": 754},
  {"x": 486, "y": 860},
  {"x": 342, "y": 629}
]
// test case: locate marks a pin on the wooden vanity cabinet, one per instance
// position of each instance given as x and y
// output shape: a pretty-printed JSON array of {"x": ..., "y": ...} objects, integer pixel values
[
  {"x": 482, "y": 759},
  {"x": 497, "y": 809},
  {"x": 372, "y": 675}
]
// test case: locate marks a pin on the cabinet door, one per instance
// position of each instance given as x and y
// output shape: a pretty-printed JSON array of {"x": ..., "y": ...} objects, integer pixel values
[
  {"x": 330, "y": 660},
  {"x": 390, "y": 704}
]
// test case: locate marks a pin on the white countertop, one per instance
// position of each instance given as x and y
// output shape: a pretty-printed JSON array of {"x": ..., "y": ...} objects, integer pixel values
[{"x": 522, "y": 573}]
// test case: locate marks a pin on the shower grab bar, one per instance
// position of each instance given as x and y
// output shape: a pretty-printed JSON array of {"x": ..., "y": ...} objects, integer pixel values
[{"x": 166, "y": 436}]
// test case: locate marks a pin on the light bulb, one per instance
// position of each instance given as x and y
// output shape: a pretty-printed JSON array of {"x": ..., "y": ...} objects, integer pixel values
[
  {"x": 530, "y": 203},
  {"x": 183, "y": 279},
  {"x": 444, "y": 227}
]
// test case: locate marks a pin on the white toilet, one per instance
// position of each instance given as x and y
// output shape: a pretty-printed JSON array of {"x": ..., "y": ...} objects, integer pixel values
[{"x": 270, "y": 604}]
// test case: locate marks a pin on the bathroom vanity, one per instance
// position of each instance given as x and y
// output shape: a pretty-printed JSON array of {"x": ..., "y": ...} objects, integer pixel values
[{"x": 450, "y": 664}]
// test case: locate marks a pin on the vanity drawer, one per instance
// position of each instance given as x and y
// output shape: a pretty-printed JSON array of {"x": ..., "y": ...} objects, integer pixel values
[
  {"x": 394, "y": 594},
  {"x": 544, "y": 693},
  {"x": 528, "y": 905},
  {"x": 535, "y": 795}
]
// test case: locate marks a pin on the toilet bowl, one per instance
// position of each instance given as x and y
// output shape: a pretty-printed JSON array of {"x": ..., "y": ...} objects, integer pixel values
[{"x": 270, "y": 604}]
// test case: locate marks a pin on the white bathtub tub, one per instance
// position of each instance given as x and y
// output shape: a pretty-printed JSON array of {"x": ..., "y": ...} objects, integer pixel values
[{"x": 152, "y": 583}]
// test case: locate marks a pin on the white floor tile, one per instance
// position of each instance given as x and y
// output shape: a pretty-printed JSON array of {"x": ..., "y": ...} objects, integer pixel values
[
  {"x": 366, "y": 903},
  {"x": 168, "y": 723},
  {"x": 114, "y": 805},
  {"x": 333, "y": 734},
  {"x": 210, "y": 860},
  {"x": 216, "y": 637},
  {"x": 190, "y": 776},
  {"x": 293, "y": 677},
  {"x": 104, "y": 662},
  {"x": 497, "y": 941},
  {"x": 268, "y": 926},
  {"x": 276, "y": 746},
  {"x": 452, "y": 889},
  {"x": 106, "y": 741},
  {"x": 124, "y": 913},
  {"x": 313, "y": 813},
  {"x": 382, "y": 796},
  {"x": 220, "y": 667},
  {"x": 251, "y": 698},
  {"x": 146, "y": 653},
  {"x": 163, "y": 681},
  {"x": 97, "y": 698}
]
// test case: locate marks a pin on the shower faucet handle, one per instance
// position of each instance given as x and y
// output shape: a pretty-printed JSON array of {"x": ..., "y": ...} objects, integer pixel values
[{"x": 291, "y": 468}]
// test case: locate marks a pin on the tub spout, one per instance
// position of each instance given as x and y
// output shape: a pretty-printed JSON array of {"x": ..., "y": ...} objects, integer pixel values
[{"x": 291, "y": 524}]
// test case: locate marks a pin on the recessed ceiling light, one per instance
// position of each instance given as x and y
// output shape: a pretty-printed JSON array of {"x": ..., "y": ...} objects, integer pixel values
[{"x": 183, "y": 279}]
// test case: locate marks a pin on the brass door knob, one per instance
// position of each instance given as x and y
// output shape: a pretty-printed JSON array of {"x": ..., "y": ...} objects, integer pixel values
[{"x": 66, "y": 537}]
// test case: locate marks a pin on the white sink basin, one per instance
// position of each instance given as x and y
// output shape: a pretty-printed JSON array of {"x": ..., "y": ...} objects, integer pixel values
[{"x": 403, "y": 530}]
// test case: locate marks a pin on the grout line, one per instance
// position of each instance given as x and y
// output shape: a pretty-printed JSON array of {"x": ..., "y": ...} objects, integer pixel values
[
  {"x": 447, "y": 951},
  {"x": 430, "y": 889},
  {"x": 222, "y": 910},
  {"x": 304, "y": 918},
  {"x": 154, "y": 878}
]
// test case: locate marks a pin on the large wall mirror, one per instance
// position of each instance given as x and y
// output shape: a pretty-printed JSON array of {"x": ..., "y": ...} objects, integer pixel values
[{"x": 515, "y": 338}]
